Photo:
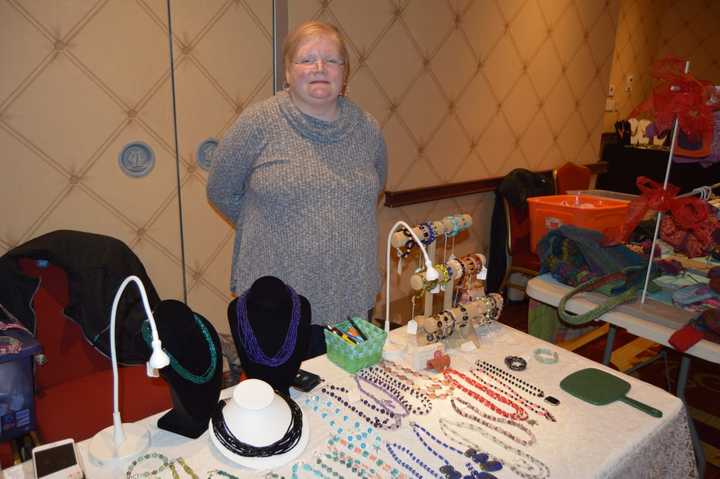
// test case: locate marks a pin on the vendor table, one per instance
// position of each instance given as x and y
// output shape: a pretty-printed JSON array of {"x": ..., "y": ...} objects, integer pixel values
[
  {"x": 653, "y": 320},
  {"x": 587, "y": 441}
]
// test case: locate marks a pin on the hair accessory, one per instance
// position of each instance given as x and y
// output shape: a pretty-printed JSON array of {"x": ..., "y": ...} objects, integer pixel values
[
  {"x": 545, "y": 356},
  {"x": 516, "y": 363},
  {"x": 175, "y": 364},
  {"x": 253, "y": 349}
]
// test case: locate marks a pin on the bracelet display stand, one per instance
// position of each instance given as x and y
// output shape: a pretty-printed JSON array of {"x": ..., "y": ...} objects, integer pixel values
[{"x": 452, "y": 328}]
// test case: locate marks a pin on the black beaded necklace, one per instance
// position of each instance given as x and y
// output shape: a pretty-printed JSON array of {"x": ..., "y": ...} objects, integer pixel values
[
  {"x": 339, "y": 393},
  {"x": 281, "y": 446},
  {"x": 510, "y": 378},
  {"x": 399, "y": 389}
]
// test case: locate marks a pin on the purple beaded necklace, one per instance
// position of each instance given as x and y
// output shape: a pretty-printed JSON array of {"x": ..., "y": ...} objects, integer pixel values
[{"x": 250, "y": 343}]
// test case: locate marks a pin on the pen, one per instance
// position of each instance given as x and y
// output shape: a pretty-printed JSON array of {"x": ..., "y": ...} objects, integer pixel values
[
  {"x": 362, "y": 335},
  {"x": 344, "y": 336},
  {"x": 339, "y": 333}
]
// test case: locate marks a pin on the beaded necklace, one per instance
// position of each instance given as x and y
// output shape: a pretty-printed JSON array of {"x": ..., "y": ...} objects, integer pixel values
[
  {"x": 482, "y": 459},
  {"x": 392, "y": 404},
  {"x": 527, "y": 467},
  {"x": 250, "y": 343},
  {"x": 281, "y": 446},
  {"x": 519, "y": 415},
  {"x": 166, "y": 464},
  {"x": 493, "y": 422},
  {"x": 364, "y": 442},
  {"x": 337, "y": 393},
  {"x": 397, "y": 388},
  {"x": 439, "y": 387},
  {"x": 512, "y": 394},
  {"x": 503, "y": 375},
  {"x": 175, "y": 364}
]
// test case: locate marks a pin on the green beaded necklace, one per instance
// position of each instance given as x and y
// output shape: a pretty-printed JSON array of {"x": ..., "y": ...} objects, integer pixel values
[{"x": 184, "y": 373}]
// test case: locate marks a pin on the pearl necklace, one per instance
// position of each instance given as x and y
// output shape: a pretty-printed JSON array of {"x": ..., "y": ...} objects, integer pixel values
[{"x": 519, "y": 415}]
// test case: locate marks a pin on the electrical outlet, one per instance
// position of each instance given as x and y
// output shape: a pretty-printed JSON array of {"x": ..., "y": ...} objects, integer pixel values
[
  {"x": 629, "y": 79},
  {"x": 610, "y": 104},
  {"x": 611, "y": 91}
]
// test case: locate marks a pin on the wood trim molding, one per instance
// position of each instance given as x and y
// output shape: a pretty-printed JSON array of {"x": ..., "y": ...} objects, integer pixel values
[{"x": 393, "y": 199}]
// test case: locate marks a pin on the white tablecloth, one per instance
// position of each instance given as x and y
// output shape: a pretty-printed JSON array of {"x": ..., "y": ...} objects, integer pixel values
[{"x": 587, "y": 441}]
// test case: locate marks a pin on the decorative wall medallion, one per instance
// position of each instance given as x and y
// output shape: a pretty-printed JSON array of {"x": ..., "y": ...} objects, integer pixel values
[
  {"x": 136, "y": 159},
  {"x": 205, "y": 151}
]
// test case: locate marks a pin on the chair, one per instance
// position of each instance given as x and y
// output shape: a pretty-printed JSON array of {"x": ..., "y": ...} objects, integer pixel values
[
  {"x": 520, "y": 257},
  {"x": 572, "y": 177},
  {"x": 74, "y": 387}
]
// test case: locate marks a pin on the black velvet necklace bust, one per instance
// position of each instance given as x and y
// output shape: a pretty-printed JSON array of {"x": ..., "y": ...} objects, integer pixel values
[
  {"x": 269, "y": 311},
  {"x": 194, "y": 400}
]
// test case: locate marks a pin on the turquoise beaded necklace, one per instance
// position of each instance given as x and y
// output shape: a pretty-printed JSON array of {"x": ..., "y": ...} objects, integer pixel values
[{"x": 179, "y": 368}]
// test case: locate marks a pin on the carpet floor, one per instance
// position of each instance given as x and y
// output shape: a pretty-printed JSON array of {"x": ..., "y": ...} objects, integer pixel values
[{"x": 701, "y": 392}]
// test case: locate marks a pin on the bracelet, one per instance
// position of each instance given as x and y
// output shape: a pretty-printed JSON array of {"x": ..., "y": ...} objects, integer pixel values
[
  {"x": 546, "y": 356},
  {"x": 516, "y": 363}
]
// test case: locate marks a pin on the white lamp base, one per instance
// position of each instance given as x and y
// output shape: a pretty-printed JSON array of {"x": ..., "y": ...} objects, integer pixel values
[
  {"x": 393, "y": 351},
  {"x": 102, "y": 446}
]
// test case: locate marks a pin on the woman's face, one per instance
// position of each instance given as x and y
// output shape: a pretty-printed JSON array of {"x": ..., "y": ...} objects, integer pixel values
[{"x": 315, "y": 77}]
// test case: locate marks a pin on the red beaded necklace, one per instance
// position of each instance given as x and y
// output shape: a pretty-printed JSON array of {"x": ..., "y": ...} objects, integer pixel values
[{"x": 519, "y": 415}]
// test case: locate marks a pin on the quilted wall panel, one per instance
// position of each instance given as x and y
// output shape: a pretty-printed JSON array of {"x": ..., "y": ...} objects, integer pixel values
[
  {"x": 463, "y": 89},
  {"x": 652, "y": 29}
]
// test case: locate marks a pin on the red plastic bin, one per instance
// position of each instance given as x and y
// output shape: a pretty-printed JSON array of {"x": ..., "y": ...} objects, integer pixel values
[{"x": 584, "y": 211}]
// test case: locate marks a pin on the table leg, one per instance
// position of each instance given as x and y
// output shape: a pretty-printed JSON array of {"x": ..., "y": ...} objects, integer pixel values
[
  {"x": 680, "y": 392},
  {"x": 609, "y": 344}
]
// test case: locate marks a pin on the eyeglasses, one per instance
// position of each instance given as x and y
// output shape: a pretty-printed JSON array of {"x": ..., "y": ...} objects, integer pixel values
[{"x": 309, "y": 62}]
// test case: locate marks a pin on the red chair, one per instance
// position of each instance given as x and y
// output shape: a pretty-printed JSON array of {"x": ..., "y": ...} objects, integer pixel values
[
  {"x": 571, "y": 177},
  {"x": 74, "y": 387},
  {"x": 520, "y": 258}
]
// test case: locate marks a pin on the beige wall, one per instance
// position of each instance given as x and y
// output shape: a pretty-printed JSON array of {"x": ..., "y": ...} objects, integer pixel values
[
  {"x": 463, "y": 90},
  {"x": 652, "y": 29}
]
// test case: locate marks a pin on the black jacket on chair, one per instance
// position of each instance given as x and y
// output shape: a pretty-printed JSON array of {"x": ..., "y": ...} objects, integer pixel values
[
  {"x": 96, "y": 265},
  {"x": 516, "y": 187}
]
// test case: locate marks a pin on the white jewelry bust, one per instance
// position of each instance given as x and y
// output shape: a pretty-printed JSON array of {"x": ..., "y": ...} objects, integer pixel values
[{"x": 257, "y": 416}]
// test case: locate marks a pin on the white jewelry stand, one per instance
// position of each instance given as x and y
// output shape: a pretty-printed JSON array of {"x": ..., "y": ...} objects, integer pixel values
[{"x": 257, "y": 416}]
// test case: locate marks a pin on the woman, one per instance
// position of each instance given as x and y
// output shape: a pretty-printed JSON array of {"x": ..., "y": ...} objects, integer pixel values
[{"x": 299, "y": 176}]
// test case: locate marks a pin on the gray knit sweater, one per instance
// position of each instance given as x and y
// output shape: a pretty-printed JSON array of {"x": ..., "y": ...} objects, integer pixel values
[{"x": 302, "y": 194}]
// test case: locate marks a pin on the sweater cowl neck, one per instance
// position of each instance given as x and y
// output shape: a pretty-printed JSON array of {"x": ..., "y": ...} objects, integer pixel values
[{"x": 314, "y": 129}]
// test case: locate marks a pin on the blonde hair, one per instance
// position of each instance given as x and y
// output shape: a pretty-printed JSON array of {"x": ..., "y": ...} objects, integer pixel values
[{"x": 311, "y": 29}]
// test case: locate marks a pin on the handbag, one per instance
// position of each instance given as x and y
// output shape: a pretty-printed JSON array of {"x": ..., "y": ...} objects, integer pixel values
[{"x": 576, "y": 257}]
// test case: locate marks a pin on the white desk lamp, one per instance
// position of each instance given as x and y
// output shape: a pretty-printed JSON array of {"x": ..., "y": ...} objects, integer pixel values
[
  {"x": 392, "y": 350},
  {"x": 124, "y": 440}
]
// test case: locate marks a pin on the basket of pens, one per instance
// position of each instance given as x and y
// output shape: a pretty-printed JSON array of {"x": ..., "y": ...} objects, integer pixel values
[{"x": 354, "y": 344}]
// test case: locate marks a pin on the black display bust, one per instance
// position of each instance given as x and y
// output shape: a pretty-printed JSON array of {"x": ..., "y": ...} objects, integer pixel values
[
  {"x": 269, "y": 311},
  {"x": 194, "y": 400}
]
